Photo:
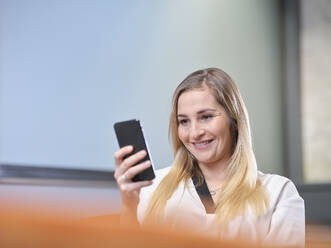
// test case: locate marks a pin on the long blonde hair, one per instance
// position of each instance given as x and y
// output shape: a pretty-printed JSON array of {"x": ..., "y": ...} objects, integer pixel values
[{"x": 242, "y": 187}]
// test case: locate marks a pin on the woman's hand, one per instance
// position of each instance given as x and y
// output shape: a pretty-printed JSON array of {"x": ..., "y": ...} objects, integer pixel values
[{"x": 125, "y": 171}]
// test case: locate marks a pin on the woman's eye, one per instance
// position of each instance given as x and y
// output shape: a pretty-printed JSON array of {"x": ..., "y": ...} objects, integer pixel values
[
  {"x": 206, "y": 117},
  {"x": 183, "y": 122}
]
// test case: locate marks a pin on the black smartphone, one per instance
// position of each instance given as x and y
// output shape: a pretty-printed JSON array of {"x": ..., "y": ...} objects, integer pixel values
[{"x": 131, "y": 133}]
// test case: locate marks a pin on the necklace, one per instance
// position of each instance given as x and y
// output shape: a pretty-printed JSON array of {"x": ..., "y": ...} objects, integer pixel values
[{"x": 213, "y": 192}]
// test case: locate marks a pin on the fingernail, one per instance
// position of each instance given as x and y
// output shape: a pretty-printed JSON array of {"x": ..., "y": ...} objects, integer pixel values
[
  {"x": 148, "y": 162},
  {"x": 143, "y": 152}
]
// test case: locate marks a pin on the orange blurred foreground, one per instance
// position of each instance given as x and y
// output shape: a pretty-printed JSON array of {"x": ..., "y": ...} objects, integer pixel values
[{"x": 32, "y": 230}]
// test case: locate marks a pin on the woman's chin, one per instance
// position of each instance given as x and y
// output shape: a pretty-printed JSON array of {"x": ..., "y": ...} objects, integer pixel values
[{"x": 204, "y": 160}]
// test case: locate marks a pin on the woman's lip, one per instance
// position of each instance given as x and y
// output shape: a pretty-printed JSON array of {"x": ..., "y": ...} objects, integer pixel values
[{"x": 202, "y": 145}]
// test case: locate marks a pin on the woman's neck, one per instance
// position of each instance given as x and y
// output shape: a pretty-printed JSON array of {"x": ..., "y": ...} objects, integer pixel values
[{"x": 214, "y": 173}]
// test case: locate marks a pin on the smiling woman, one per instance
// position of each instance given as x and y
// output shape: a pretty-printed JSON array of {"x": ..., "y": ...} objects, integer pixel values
[
  {"x": 204, "y": 130},
  {"x": 213, "y": 185}
]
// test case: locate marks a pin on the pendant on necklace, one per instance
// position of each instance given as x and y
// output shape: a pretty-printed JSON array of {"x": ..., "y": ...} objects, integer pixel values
[{"x": 213, "y": 192}]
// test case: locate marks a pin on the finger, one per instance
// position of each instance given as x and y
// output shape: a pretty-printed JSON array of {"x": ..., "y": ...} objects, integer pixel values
[
  {"x": 133, "y": 171},
  {"x": 130, "y": 161},
  {"x": 119, "y": 154},
  {"x": 130, "y": 187}
]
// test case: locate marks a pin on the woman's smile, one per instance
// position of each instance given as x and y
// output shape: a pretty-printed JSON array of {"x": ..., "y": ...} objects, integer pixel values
[{"x": 202, "y": 145}]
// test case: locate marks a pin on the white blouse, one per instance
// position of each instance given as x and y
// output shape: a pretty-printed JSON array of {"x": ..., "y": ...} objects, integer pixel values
[{"x": 283, "y": 224}]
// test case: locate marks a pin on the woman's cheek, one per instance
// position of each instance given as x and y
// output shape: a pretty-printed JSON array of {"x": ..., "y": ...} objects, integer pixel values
[{"x": 182, "y": 134}]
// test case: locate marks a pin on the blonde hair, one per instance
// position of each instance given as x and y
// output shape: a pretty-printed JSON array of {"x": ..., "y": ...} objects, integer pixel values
[{"x": 242, "y": 187}]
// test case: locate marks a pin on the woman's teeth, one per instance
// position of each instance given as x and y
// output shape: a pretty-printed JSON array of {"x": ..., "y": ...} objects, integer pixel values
[{"x": 203, "y": 144}]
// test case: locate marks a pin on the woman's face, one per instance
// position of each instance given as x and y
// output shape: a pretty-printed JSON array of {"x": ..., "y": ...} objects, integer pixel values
[{"x": 204, "y": 126}]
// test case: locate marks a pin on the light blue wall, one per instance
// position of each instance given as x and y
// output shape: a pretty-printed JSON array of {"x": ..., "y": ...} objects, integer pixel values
[{"x": 70, "y": 69}]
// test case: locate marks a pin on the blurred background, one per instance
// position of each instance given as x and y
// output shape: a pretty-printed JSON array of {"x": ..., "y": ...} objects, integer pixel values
[{"x": 70, "y": 69}]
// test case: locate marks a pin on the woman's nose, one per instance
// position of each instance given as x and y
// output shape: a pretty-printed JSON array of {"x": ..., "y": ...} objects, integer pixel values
[{"x": 197, "y": 131}]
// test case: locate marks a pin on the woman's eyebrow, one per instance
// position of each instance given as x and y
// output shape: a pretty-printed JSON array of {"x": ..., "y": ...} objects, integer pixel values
[
  {"x": 206, "y": 110},
  {"x": 199, "y": 112}
]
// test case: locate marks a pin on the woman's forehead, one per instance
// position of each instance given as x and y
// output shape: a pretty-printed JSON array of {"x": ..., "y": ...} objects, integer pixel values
[{"x": 197, "y": 99}]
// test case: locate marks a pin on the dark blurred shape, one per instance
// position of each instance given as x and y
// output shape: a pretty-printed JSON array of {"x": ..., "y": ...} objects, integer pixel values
[{"x": 33, "y": 230}]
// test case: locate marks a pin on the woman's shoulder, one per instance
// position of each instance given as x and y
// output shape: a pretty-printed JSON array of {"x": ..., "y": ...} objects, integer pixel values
[
  {"x": 159, "y": 175},
  {"x": 287, "y": 211},
  {"x": 162, "y": 172},
  {"x": 146, "y": 192},
  {"x": 278, "y": 186},
  {"x": 267, "y": 178}
]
